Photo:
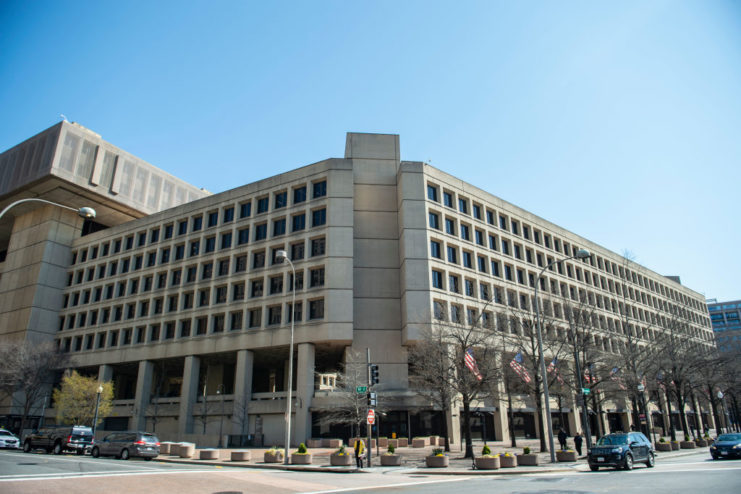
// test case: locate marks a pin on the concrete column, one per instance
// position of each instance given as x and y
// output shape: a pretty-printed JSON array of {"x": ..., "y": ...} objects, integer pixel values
[
  {"x": 501, "y": 424},
  {"x": 143, "y": 394},
  {"x": 105, "y": 373},
  {"x": 454, "y": 424},
  {"x": 188, "y": 394},
  {"x": 242, "y": 391},
  {"x": 304, "y": 392}
]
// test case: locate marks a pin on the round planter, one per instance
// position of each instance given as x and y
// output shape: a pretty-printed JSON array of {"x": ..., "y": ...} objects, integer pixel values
[
  {"x": 663, "y": 447},
  {"x": 187, "y": 450},
  {"x": 240, "y": 455},
  {"x": 487, "y": 463},
  {"x": 566, "y": 456},
  {"x": 276, "y": 457},
  {"x": 208, "y": 454},
  {"x": 301, "y": 459},
  {"x": 701, "y": 443},
  {"x": 336, "y": 460},
  {"x": 390, "y": 460},
  {"x": 675, "y": 446},
  {"x": 687, "y": 445},
  {"x": 436, "y": 461},
  {"x": 508, "y": 461},
  {"x": 165, "y": 448},
  {"x": 528, "y": 460}
]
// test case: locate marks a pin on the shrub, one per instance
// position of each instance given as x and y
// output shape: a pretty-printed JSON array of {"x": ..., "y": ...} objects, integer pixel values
[
  {"x": 302, "y": 449},
  {"x": 686, "y": 437},
  {"x": 341, "y": 451},
  {"x": 526, "y": 451},
  {"x": 662, "y": 440},
  {"x": 391, "y": 449},
  {"x": 485, "y": 450},
  {"x": 438, "y": 452}
]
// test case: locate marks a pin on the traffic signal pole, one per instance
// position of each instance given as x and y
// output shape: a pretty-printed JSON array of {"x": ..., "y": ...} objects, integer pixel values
[{"x": 368, "y": 448}]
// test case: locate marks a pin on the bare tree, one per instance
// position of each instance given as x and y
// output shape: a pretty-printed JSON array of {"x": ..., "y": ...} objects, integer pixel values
[{"x": 27, "y": 371}]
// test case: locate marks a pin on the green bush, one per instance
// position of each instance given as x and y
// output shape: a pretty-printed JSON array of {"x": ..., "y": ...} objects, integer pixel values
[
  {"x": 525, "y": 451},
  {"x": 662, "y": 440},
  {"x": 686, "y": 437},
  {"x": 391, "y": 449},
  {"x": 485, "y": 450},
  {"x": 438, "y": 452},
  {"x": 302, "y": 449}
]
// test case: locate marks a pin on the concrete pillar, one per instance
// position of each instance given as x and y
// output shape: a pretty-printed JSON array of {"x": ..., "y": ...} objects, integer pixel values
[
  {"x": 188, "y": 394},
  {"x": 242, "y": 391},
  {"x": 105, "y": 373},
  {"x": 454, "y": 424},
  {"x": 501, "y": 423},
  {"x": 143, "y": 394},
  {"x": 304, "y": 392}
]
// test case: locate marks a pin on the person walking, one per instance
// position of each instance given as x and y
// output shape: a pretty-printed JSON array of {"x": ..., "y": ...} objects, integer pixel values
[
  {"x": 359, "y": 447},
  {"x": 577, "y": 443},
  {"x": 562, "y": 436}
]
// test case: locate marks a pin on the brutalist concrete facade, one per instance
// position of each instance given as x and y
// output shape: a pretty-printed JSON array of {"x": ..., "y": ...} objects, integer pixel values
[{"x": 188, "y": 312}]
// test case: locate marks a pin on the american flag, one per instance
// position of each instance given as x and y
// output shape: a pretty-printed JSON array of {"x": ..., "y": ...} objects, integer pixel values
[
  {"x": 589, "y": 378},
  {"x": 516, "y": 365},
  {"x": 614, "y": 376},
  {"x": 470, "y": 362},
  {"x": 553, "y": 369}
]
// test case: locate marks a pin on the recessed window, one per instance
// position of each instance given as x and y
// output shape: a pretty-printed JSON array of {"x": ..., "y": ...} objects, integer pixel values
[
  {"x": 262, "y": 205},
  {"x": 279, "y": 227},
  {"x": 432, "y": 193},
  {"x": 228, "y": 214},
  {"x": 434, "y": 221},
  {"x": 245, "y": 210},
  {"x": 318, "y": 217},
  {"x": 435, "y": 249},
  {"x": 299, "y": 194},
  {"x": 437, "y": 279},
  {"x": 197, "y": 223},
  {"x": 243, "y": 236},
  {"x": 281, "y": 199},
  {"x": 319, "y": 189},
  {"x": 316, "y": 309},
  {"x": 463, "y": 206},
  {"x": 452, "y": 254},
  {"x": 448, "y": 199},
  {"x": 450, "y": 226},
  {"x": 261, "y": 231}
]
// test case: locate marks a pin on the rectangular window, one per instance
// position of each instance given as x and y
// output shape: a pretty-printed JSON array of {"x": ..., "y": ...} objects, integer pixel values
[
  {"x": 465, "y": 232},
  {"x": 502, "y": 222},
  {"x": 220, "y": 295},
  {"x": 207, "y": 270},
  {"x": 279, "y": 227},
  {"x": 463, "y": 206},
  {"x": 243, "y": 236},
  {"x": 276, "y": 285},
  {"x": 262, "y": 205},
  {"x": 477, "y": 211},
  {"x": 274, "y": 314},
  {"x": 223, "y": 267},
  {"x": 319, "y": 189},
  {"x": 316, "y": 277},
  {"x": 505, "y": 247},
  {"x": 256, "y": 288},
  {"x": 240, "y": 264},
  {"x": 482, "y": 264},
  {"x": 197, "y": 223},
  {"x": 299, "y": 194},
  {"x": 316, "y": 309},
  {"x": 515, "y": 227},
  {"x": 154, "y": 236},
  {"x": 255, "y": 318},
  {"x": 238, "y": 291},
  {"x": 261, "y": 231},
  {"x": 228, "y": 214},
  {"x": 452, "y": 255},
  {"x": 495, "y": 269},
  {"x": 318, "y": 217},
  {"x": 467, "y": 260},
  {"x": 469, "y": 288},
  {"x": 434, "y": 220},
  {"x": 281, "y": 200},
  {"x": 210, "y": 245},
  {"x": 298, "y": 222},
  {"x": 258, "y": 259},
  {"x": 226, "y": 240},
  {"x": 437, "y": 279},
  {"x": 195, "y": 246},
  {"x": 432, "y": 193},
  {"x": 235, "y": 321},
  {"x": 448, "y": 199},
  {"x": 165, "y": 255},
  {"x": 435, "y": 249},
  {"x": 297, "y": 251},
  {"x": 245, "y": 210},
  {"x": 453, "y": 284},
  {"x": 479, "y": 237},
  {"x": 507, "y": 273},
  {"x": 318, "y": 246}
]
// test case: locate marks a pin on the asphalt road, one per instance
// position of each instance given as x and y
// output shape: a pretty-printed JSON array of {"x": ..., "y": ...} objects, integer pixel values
[{"x": 22, "y": 473}]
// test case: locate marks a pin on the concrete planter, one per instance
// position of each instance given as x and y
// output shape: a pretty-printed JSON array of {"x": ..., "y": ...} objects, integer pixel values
[
  {"x": 663, "y": 447},
  {"x": 403, "y": 442},
  {"x": 393, "y": 442},
  {"x": 507, "y": 461},
  {"x": 187, "y": 450},
  {"x": 419, "y": 442},
  {"x": 436, "y": 461},
  {"x": 566, "y": 456},
  {"x": 687, "y": 445},
  {"x": 487, "y": 463},
  {"x": 675, "y": 445},
  {"x": 275, "y": 457},
  {"x": 314, "y": 443},
  {"x": 336, "y": 460},
  {"x": 301, "y": 459},
  {"x": 165, "y": 448},
  {"x": 435, "y": 441},
  {"x": 174, "y": 449},
  {"x": 527, "y": 460},
  {"x": 241, "y": 455},
  {"x": 331, "y": 443},
  {"x": 383, "y": 442},
  {"x": 701, "y": 443},
  {"x": 390, "y": 460},
  {"x": 208, "y": 454}
]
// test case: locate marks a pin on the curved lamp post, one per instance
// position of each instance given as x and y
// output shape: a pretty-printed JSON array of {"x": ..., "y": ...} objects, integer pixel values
[
  {"x": 580, "y": 254},
  {"x": 282, "y": 255},
  {"x": 84, "y": 212}
]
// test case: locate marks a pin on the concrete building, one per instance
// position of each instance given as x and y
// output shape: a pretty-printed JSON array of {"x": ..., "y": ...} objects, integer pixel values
[{"x": 182, "y": 303}]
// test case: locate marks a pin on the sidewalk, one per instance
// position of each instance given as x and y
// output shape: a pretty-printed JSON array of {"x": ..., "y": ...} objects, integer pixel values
[{"x": 412, "y": 460}]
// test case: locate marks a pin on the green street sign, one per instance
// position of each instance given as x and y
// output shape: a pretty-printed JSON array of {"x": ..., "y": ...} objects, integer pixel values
[
  {"x": 361, "y": 389},
  {"x": 585, "y": 391}
]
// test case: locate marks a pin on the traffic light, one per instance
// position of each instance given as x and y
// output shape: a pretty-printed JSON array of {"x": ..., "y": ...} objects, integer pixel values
[
  {"x": 372, "y": 399},
  {"x": 373, "y": 374}
]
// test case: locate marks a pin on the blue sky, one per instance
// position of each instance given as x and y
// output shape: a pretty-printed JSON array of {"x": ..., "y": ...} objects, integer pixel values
[{"x": 620, "y": 121}]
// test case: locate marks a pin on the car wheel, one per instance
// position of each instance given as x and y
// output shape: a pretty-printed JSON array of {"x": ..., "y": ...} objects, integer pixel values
[
  {"x": 651, "y": 461},
  {"x": 628, "y": 465},
  {"x": 125, "y": 454},
  {"x": 715, "y": 457},
  {"x": 593, "y": 468},
  {"x": 27, "y": 447},
  {"x": 148, "y": 458},
  {"x": 57, "y": 449},
  {"x": 96, "y": 452}
]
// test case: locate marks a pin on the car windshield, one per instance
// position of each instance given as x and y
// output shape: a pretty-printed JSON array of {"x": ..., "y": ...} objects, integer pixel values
[
  {"x": 6, "y": 433},
  {"x": 613, "y": 440},
  {"x": 729, "y": 437},
  {"x": 149, "y": 438}
]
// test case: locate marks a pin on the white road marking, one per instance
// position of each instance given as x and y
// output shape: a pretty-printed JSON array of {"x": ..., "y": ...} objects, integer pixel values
[
  {"x": 99, "y": 474},
  {"x": 388, "y": 486}
]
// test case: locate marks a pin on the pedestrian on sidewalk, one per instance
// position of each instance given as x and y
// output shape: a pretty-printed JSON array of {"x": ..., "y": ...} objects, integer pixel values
[
  {"x": 577, "y": 443},
  {"x": 359, "y": 447},
  {"x": 562, "y": 436}
]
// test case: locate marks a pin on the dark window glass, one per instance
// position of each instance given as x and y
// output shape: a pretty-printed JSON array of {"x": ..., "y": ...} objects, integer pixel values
[
  {"x": 281, "y": 200},
  {"x": 320, "y": 189},
  {"x": 262, "y": 205},
  {"x": 299, "y": 195}
]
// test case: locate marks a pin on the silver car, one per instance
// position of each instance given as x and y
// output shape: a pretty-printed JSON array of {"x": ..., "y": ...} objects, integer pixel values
[
  {"x": 8, "y": 440},
  {"x": 125, "y": 445}
]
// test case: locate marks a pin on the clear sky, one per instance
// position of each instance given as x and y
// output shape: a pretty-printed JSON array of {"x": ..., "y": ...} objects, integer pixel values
[{"x": 620, "y": 121}]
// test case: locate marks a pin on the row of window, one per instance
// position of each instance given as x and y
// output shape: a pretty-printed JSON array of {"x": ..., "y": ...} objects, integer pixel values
[
  {"x": 478, "y": 211},
  {"x": 211, "y": 219},
  {"x": 256, "y": 318}
]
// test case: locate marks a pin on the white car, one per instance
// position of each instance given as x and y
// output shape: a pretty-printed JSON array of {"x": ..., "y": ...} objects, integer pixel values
[{"x": 8, "y": 440}]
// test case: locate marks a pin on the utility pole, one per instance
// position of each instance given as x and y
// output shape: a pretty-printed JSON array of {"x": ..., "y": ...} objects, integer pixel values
[{"x": 367, "y": 425}]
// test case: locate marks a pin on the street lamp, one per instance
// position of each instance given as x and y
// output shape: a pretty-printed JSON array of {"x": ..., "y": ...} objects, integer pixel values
[
  {"x": 580, "y": 254},
  {"x": 281, "y": 256},
  {"x": 646, "y": 415},
  {"x": 97, "y": 404},
  {"x": 220, "y": 391},
  {"x": 85, "y": 212}
]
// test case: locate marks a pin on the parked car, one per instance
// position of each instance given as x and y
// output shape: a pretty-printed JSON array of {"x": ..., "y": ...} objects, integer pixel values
[
  {"x": 8, "y": 440},
  {"x": 726, "y": 446},
  {"x": 124, "y": 445},
  {"x": 57, "y": 440},
  {"x": 621, "y": 450}
]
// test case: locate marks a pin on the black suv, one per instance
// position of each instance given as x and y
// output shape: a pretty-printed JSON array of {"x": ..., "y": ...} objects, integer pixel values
[
  {"x": 56, "y": 440},
  {"x": 621, "y": 450}
]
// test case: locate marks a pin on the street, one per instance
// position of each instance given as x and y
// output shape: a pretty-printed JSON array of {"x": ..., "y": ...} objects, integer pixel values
[{"x": 33, "y": 473}]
